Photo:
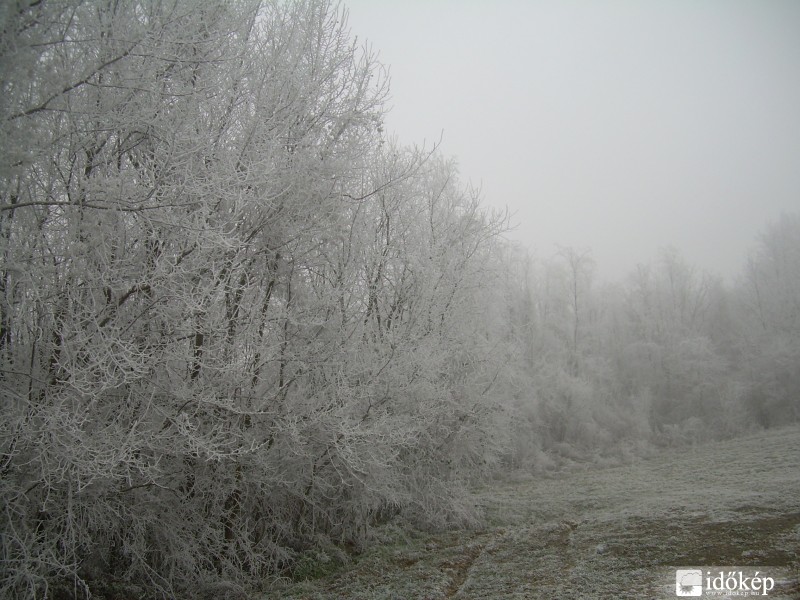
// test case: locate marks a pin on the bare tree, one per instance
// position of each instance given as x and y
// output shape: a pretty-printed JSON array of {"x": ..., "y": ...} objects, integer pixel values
[{"x": 580, "y": 266}]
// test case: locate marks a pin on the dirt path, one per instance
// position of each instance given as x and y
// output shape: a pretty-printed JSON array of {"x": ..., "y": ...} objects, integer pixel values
[{"x": 609, "y": 533}]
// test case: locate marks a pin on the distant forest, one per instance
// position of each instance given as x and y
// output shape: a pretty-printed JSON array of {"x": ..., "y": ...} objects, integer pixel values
[{"x": 238, "y": 321}]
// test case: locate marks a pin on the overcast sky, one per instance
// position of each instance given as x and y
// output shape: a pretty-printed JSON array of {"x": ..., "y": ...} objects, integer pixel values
[{"x": 620, "y": 126}]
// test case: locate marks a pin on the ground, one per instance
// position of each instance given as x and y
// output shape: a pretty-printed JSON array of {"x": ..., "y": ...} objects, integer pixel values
[{"x": 616, "y": 532}]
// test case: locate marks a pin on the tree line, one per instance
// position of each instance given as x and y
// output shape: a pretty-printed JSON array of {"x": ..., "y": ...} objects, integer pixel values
[
  {"x": 239, "y": 323},
  {"x": 668, "y": 356}
]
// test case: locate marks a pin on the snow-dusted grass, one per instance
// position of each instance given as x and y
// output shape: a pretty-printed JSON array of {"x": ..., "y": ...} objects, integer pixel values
[{"x": 600, "y": 533}]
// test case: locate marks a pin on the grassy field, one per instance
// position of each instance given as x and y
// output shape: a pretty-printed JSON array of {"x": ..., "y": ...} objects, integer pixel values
[{"x": 600, "y": 533}]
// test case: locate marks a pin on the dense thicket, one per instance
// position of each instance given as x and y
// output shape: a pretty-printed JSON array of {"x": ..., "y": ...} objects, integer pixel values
[
  {"x": 234, "y": 317},
  {"x": 237, "y": 323}
]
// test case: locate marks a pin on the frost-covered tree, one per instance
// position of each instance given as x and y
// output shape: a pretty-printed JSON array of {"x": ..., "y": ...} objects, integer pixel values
[
  {"x": 671, "y": 356},
  {"x": 612, "y": 368},
  {"x": 234, "y": 320},
  {"x": 769, "y": 305}
]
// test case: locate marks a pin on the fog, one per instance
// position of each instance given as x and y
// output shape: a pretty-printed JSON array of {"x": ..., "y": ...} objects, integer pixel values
[
  {"x": 259, "y": 340},
  {"x": 617, "y": 126}
]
